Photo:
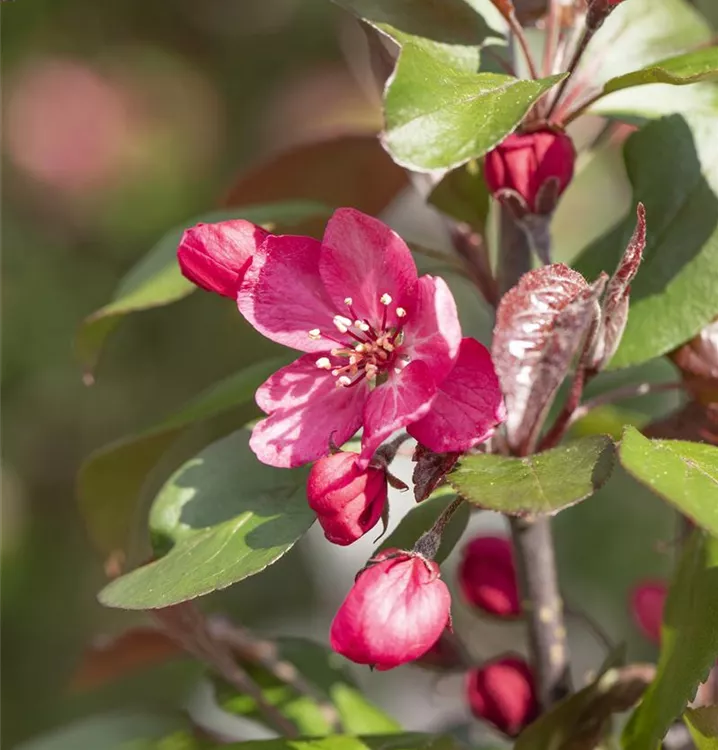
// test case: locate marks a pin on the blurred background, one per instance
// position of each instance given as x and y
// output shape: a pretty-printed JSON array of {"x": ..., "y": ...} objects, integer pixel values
[{"x": 120, "y": 121}]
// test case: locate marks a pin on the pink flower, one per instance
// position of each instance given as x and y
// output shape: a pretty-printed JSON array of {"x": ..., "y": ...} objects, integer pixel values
[
  {"x": 503, "y": 693},
  {"x": 487, "y": 576},
  {"x": 394, "y": 613},
  {"x": 216, "y": 256},
  {"x": 348, "y": 501},
  {"x": 380, "y": 345},
  {"x": 525, "y": 163},
  {"x": 647, "y": 602}
]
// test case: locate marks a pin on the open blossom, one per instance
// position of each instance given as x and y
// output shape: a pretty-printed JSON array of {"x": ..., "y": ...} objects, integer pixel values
[
  {"x": 647, "y": 602},
  {"x": 503, "y": 693},
  {"x": 487, "y": 576},
  {"x": 525, "y": 163},
  {"x": 348, "y": 501},
  {"x": 394, "y": 613},
  {"x": 381, "y": 346},
  {"x": 216, "y": 256}
]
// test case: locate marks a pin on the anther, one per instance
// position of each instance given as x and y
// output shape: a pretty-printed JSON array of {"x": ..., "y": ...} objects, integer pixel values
[
  {"x": 344, "y": 380},
  {"x": 323, "y": 363},
  {"x": 360, "y": 348},
  {"x": 361, "y": 325},
  {"x": 385, "y": 299},
  {"x": 400, "y": 312},
  {"x": 343, "y": 324},
  {"x": 348, "y": 301},
  {"x": 315, "y": 334}
]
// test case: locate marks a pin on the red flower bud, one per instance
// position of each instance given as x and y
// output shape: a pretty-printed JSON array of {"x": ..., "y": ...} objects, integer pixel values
[
  {"x": 487, "y": 576},
  {"x": 394, "y": 613},
  {"x": 647, "y": 602},
  {"x": 536, "y": 166},
  {"x": 216, "y": 256},
  {"x": 348, "y": 501},
  {"x": 503, "y": 693}
]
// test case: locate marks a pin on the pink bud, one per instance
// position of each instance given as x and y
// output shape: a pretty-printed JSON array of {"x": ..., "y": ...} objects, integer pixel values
[
  {"x": 647, "y": 602},
  {"x": 216, "y": 256},
  {"x": 348, "y": 501},
  {"x": 487, "y": 576},
  {"x": 503, "y": 693},
  {"x": 394, "y": 613},
  {"x": 537, "y": 165}
]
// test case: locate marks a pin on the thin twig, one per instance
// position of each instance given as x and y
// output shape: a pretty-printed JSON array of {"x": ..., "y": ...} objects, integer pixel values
[
  {"x": 586, "y": 37},
  {"x": 518, "y": 31},
  {"x": 532, "y": 537},
  {"x": 265, "y": 654},
  {"x": 620, "y": 394},
  {"x": 559, "y": 427},
  {"x": 598, "y": 632},
  {"x": 186, "y": 625}
]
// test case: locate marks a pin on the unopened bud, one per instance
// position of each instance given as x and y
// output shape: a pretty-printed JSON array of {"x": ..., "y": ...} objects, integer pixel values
[
  {"x": 533, "y": 168},
  {"x": 487, "y": 576},
  {"x": 394, "y": 613},
  {"x": 348, "y": 501},
  {"x": 647, "y": 602},
  {"x": 503, "y": 693},
  {"x": 698, "y": 362}
]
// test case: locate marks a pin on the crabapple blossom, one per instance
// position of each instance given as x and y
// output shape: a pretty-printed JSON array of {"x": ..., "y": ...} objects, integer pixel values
[
  {"x": 348, "y": 501},
  {"x": 395, "y": 612}
]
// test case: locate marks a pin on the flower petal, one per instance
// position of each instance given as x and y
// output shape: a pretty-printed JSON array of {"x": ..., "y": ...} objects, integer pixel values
[
  {"x": 216, "y": 256},
  {"x": 432, "y": 330},
  {"x": 404, "y": 398},
  {"x": 282, "y": 295},
  {"x": 468, "y": 405},
  {"x": 306, "y": 410},
  {"x": 363, "y": 259}
]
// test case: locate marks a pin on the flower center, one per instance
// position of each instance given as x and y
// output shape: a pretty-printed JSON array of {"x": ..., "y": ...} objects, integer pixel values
[{"x": 369, "y": 351}]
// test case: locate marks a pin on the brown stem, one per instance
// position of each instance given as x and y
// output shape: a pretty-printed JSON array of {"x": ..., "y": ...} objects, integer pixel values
[
  {"x": 532, "y": 537},
  {"x": 553, "y": 28},
  {"x": 471, "y": 246},
  {"x": 427, "y": 545},
  {"x": 559, "y": 427},
  {"x": 518, "y": 31},
  {"x": 186, "y": 625}
]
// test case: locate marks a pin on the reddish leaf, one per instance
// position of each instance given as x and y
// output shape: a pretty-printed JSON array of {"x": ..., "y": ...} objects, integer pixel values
[
  {"x": 541, "y": 324},
  {"x": 694, "y": 422},
  {"x": 349, "y": 170},
  {"x": 430, "y": 470},
  {"x": 615, "y": 304},
  {"x": 110, "y": 659}
]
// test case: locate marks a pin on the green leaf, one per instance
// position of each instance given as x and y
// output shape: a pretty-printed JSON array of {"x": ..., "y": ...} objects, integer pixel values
[
  {"x": 326, "y": 672},
  {"x": 451, "y": 30},
  {"x": 422, "y": 517},
  {"x": 683, "y": 473},
  {"x": 439, "y": 117},
  {"x": 691, "y": 67},
  {"x": 111, "y": 479},
  {"x": 463, "y": 195},
  {"x": 221, "y": 517},
  {"x": 689, "y": 644},
  {"x": 543, "y": 483},
  {"x": 702, "y": 723},
  {"x": 407, "y": 741},
  {"x": 106, "y": 732},
  {"x": 638, "y": 35},
  {"x": 156, "y": 280},
  {"x": 673, "y": 296}
]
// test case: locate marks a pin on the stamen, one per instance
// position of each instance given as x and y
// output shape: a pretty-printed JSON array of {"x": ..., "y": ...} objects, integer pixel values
[
  {"x": 336, "y": 371},
  {"x": 400, "y": 312},
  {"x": 359, "y": 348},
  {"x": 315, "y": 334},
  {"x": 348, "y": 301},
  {"x": 385, "y": 299},
  {"x": 323, "y": 363},
  {"x": 361, "y": 325},
  {"x": 343, "y": 324},
  {"x": 344, "y": 380}
]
